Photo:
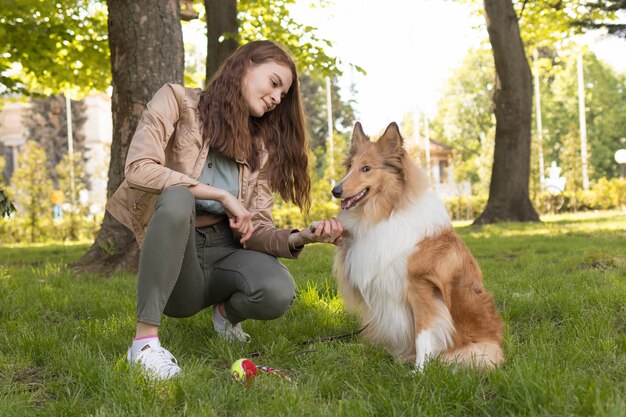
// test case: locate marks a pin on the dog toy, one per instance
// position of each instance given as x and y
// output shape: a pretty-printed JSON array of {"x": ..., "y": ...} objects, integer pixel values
[{"x": 243, "y": 370}]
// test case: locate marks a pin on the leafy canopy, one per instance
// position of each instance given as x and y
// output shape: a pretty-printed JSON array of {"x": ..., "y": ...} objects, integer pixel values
[{"x": 49, "y": 47}]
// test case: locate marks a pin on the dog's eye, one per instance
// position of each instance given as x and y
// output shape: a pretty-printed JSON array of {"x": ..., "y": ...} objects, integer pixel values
[{"x": 366, "y": 169}]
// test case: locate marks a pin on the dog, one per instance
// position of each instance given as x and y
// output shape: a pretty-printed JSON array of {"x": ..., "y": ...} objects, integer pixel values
[{"x": 403, "y": 269}]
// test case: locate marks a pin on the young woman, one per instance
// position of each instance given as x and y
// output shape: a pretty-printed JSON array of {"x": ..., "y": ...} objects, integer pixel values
[{"x": 200, "y": 173}]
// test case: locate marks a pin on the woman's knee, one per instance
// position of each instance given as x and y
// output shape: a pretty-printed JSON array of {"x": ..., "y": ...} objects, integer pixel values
[
  {"x": 176, "y": 204},
  {"x": 277, "y": 295}
]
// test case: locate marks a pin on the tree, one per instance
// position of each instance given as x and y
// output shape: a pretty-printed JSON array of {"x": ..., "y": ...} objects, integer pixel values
[
  {"x": 270, "y": 19},
  {"x": 145, "y": 38},
  {"x": 222, "y": 32},
  {"x": 33, "y": 187},
  {"x": 71, "y": 189},
  {"x": 46, "y": 123},
  {"x": 508, "y": 191},
  {"x": 465, "y": 118},
  {"x": 313, "y": 87},
  {"x": 604, "y": 7},
  {"x": 605, "y": 99},
  {"x": 513, "y": 91},
  {"x": 48, "y": 46}
]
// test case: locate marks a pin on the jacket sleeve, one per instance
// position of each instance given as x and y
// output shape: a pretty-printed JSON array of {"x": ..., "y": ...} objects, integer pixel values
[
  {"x": 266, "y": 237},
  {"x": 145, "y": 162}
]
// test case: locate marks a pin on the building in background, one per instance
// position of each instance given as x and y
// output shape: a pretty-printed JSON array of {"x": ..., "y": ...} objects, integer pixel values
[
  {"x": 441, "y": 166},
  {"x": 98, "y": 135}
]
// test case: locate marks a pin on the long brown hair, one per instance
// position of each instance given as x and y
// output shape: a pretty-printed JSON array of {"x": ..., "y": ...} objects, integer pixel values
[{"x": 229, "y": 128}]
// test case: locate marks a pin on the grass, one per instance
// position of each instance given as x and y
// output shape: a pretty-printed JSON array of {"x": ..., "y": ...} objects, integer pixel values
[{"x": 559, "y": 285}]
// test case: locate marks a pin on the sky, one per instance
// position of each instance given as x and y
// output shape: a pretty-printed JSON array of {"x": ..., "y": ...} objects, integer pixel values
[{"x": 409, "y": 49}]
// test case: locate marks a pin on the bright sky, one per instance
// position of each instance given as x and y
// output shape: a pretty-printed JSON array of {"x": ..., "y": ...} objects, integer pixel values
[{"x": 408, "y": 48}]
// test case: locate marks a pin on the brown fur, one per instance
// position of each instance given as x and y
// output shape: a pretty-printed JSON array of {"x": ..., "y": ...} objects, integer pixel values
[{"x": 443, "y": 268}]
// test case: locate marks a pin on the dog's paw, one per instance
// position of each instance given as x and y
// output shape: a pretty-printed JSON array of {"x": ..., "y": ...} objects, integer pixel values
[{"x": 417, "y": 369}]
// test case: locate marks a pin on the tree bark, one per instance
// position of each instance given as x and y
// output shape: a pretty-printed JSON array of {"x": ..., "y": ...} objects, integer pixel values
[
  {"x": 146, "y": 43},
  {"x": 508, "y": 192},
  {"x": 221, "y": 20}
]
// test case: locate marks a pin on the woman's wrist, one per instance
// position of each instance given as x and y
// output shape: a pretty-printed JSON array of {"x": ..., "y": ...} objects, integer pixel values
[{"x": 206, "y": 192}]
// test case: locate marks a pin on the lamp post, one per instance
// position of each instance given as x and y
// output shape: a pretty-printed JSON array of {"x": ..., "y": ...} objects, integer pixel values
[{"x": 620, "y": 158}]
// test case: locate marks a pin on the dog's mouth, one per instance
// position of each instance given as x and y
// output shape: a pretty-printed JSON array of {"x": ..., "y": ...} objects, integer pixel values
[{"x": 350, "y": 202}]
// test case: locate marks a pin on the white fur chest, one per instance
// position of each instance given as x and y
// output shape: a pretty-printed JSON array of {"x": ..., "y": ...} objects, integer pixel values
[{"x": 377, "y": 254}]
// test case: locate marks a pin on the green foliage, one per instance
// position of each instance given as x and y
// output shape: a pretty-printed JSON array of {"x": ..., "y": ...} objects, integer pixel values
[
  {"x": 603, "y": 195},
  {"x": 545, "y": 23},
  {"x": 605, "y": 100},
  {"x": 32, "y": 187},
  {"x": 323, "y": 176},
  {"x": 72, "y": 192},
  {"x": 560, "y": 287},
  {"x": 50, "y": 46},
  {"x": 270, "y": 19},
  {"x": 16, "y": 230},
  {"x": 313, "y": 87},
  {"x": 465, "y": 118},
  {"x": 465, "y": 208}
]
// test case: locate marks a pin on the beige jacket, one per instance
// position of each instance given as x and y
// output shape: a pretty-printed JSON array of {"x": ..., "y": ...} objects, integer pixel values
[{"x": 166, "y": 150}]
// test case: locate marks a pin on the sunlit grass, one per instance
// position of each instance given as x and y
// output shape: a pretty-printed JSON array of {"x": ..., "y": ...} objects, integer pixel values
[{"x": 560, "y": 286}]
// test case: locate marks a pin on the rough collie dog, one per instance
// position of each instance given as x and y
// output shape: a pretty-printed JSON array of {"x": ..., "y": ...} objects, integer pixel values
[{"x": 402, "y": 268}]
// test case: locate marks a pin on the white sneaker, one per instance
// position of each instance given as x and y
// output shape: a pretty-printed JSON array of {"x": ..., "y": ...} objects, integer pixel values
[
  {"x": 157, "y": 362},
  {"x": 227, "y": 330}
]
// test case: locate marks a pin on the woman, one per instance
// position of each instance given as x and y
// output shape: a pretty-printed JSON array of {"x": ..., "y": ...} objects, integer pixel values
[{"x": 200, "y": 173}]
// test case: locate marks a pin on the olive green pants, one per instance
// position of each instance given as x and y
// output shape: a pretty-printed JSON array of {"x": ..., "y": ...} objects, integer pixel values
[{"x": 184, "y": 269}]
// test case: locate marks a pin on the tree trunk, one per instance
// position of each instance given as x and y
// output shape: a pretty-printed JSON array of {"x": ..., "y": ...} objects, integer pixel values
[
  {"x": 146, "y": 43},
  {"x": 221, "y": 20},
  {"x": 508, "y": 191}
]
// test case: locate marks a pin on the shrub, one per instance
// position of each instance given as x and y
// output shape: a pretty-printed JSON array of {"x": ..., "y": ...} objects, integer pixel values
[
  {"x": 605, "y": 194},
  {"x": 465, "y": 208},
  {"x": 16, "y": 229}
]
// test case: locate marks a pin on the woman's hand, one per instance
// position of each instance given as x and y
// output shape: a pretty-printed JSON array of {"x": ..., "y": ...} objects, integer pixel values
[
  {"x": 239, "y": 218},
  {"x": 327, "y": 230}
]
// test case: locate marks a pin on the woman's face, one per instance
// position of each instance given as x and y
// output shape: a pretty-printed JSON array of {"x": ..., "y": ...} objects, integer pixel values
[{"x": 264, "y": 86}]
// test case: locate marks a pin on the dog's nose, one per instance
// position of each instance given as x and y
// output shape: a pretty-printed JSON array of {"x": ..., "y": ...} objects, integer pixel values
[{"x": 337, "y": 191}]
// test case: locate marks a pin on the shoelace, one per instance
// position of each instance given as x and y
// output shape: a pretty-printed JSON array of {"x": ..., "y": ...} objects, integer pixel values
[
  {"x": 159, "y": 360},
  {"x": 236, "y": 332}
]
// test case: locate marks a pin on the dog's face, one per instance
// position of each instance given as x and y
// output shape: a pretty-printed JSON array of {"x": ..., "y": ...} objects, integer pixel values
[{"x": 372, "y": 168}]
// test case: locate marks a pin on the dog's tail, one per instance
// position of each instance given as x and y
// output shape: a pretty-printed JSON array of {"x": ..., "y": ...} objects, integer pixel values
[{"x": 481, "y": 355}]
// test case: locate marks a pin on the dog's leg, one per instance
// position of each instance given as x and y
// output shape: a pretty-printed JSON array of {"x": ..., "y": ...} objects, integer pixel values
[
  {"x": 352, "y": 298},
  {"x": 433, "y": 323}
]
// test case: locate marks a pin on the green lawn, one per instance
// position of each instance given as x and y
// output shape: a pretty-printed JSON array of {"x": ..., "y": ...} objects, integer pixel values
[{"x": 560, "y": 287}]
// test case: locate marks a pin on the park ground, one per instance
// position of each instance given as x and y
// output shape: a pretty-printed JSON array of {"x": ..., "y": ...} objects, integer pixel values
[{"x": 560, "y": 286}]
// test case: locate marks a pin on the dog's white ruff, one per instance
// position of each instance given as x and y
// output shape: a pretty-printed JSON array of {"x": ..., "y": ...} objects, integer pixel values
[{"x": 376, "y": 264}]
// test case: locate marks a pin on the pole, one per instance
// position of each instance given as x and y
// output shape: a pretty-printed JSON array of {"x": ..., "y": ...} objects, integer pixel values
[
  {"x": 427, "y": 145},
  {"x": 538, "y": 120},
  {"x": 583, "y": 122},
  {"x": 416, "y": 130},
  {"x": 70, "y": 146},
  {"x": 331, "y": 145}
]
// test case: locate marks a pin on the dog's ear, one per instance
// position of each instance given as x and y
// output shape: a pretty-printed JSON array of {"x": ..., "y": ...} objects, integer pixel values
[
  {"x": 391, "y": 141},
  {"x": 358, "y": 136}
]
